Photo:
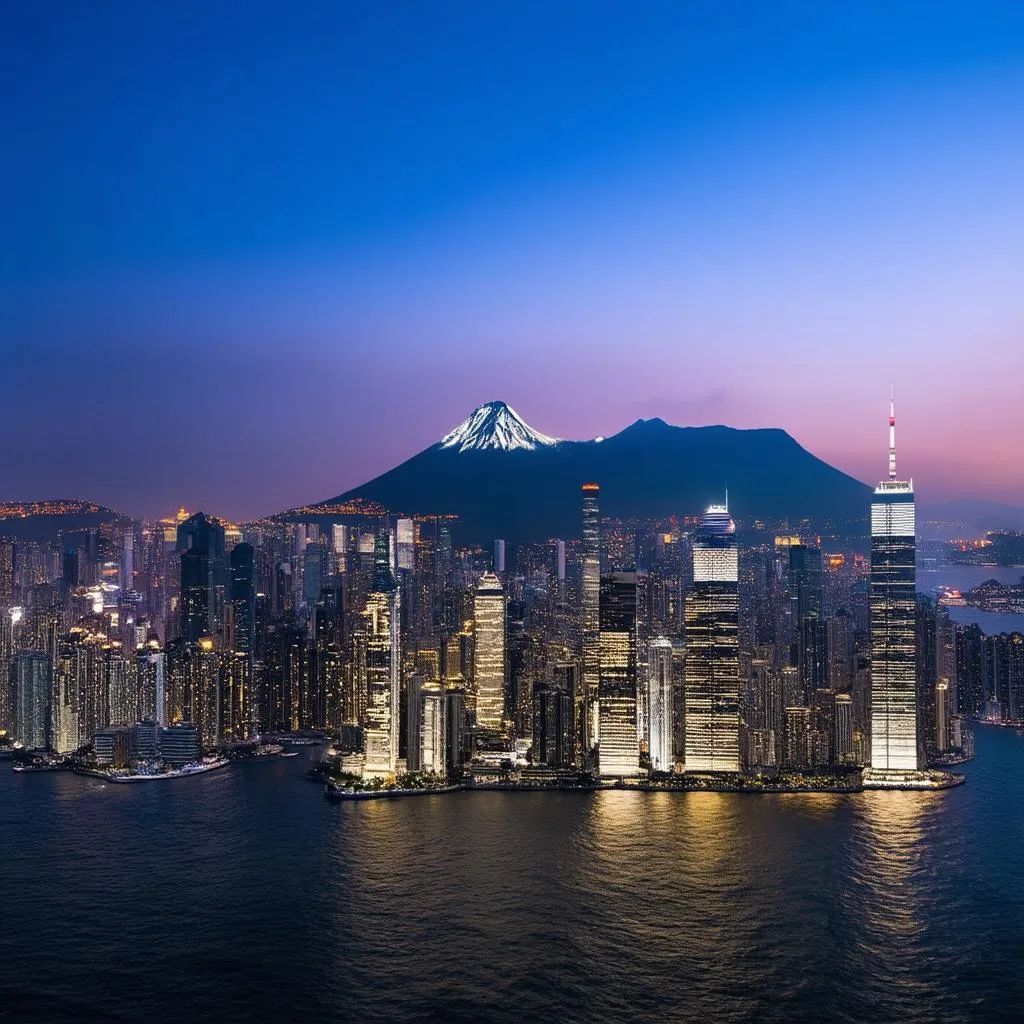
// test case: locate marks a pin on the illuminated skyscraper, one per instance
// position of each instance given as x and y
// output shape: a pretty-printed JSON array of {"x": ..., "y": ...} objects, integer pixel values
[
  {"x": 660, "y": 704},
  {"x": 432, "y": 730},
  {"x": 31, "y": 674},
  {"x": 243, "y": 598},
  {"x": 489, "y": 651},
  {"x": 893, "y": 615},
  {"x": 383, "y": 665},
  {"x": 590, "y": 626},
  {"x": 712, "y": 648},
  {"x": 618, "y": 746}
]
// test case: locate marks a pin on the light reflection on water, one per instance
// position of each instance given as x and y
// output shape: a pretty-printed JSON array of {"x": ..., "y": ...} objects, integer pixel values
[{"x": 512, "y": 907}]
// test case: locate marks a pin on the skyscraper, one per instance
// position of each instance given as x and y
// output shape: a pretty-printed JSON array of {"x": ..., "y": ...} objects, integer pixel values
[
  {"x": 618, "y": 744},
  {"x": 489, "y": 651},
  {"x": 810, "y": 632},
  {"x": 201, "y": 547},
  {"x": 892, "y": 619},
  {"x": 32, "y": 677},
  {"x": 383, "y": 665},
  {"x": 243, "y": 597},
  {"x": 712, "y": 648},
  {"x": 590, "y": 626},
  {"x": 660, "y": 704}
]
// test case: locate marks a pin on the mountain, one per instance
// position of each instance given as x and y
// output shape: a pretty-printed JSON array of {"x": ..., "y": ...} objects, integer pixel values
[{"x": 505, "y": 479}]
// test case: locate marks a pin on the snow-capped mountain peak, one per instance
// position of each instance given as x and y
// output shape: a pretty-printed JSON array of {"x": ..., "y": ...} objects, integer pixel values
[{"x": 496, "y": 426}]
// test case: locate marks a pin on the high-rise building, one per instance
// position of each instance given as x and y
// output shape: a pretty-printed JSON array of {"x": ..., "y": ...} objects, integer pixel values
[
  {"x": 893, "y": 612},
  {"x": 455, "y": 732},
  {"x": 618, "y": 743},
  {"x": 842, "y": 744},
  {"x": 32, "y": 677},
  {"x": 432, "y": 728},
  {"x": 552, "y": 725},
  {"x": 383, "y": 666},
  {"x": 712, "y": 648},
  {"x": 807, "y": 601},
  {"x": 499, "y": 555},
  {"x": 489, "y": 666},
  {"x": 201, "y": 548},
  {"x": 942, "y": 716},
  {"x": 243, "y": 598},
  {"x": 590, "y": 624},
  {"x": 660, "y": 705}
]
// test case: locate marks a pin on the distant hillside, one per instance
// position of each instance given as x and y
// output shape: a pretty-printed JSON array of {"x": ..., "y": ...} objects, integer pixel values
[{"x": 45, "y": 520}]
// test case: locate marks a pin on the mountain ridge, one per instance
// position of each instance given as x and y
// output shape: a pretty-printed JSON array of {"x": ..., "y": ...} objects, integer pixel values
[{"x": 501, "y": 485}]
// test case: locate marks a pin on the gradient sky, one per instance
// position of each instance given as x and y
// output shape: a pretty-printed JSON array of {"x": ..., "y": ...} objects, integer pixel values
[{"x": 255, "y": 253}]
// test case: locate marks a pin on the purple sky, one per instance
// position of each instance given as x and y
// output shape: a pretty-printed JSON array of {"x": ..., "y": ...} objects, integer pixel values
[{"x": 256, "y": 262}]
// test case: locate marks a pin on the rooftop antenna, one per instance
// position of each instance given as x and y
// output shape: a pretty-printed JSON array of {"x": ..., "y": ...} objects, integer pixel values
[{"x": 892, "y": 435}]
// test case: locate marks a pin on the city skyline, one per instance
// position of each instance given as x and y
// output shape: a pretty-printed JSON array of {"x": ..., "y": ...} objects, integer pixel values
[{"x": 819, "y": 199}]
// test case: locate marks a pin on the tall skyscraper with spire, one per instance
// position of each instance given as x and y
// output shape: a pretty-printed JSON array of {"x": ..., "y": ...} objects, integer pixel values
[
  {"x": 590, "y": 623},
  {"x": 892, "y": 621},
  {"x": 712, "y": 691}
]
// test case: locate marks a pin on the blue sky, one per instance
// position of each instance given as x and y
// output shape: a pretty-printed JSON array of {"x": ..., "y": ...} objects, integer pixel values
[{"x": 267, "y": 251}]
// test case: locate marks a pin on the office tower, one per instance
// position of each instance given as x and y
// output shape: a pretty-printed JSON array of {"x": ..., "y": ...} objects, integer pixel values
[
  {"x": 590, "y": 624},
  {"x": 618, "y": 743},
  {"x": 455, "y": 733},
  {"x": 150, "y": 669},
  {"x": 766, "y": 712},
  {"x": 127, "y": 567},
  {"x": 383, "y": 665},
  {"x": 660, "y": 705},
  {"x": 823, "y": 727},
  {"x": 893, "y": 608},
  {"x": 968, "y": 671},
  {"x": 926, "y": 659},
  {"x": 235, "y": 704},
  {"x": 489, "y": 651},
  {"x": 405, "y": 535},
  {"x": 414, "y": 719},
  {"x": 712, "y": 648},
  {"x": 122, "y": 686},
  {"x": 432, "y": 728},
  {"x": 797, "y": 746},
  {"x": 326, "y": 669},
  {"x": 499, "y": 555},
  {"x": 941, "y": 717},
  {"x": 32, "y": 678},
  {"x": 552, "y": 725},
  {"x": 840, "y": 650},
  {"x": 1015, "y": 677},
  {"x": 842, "y": 743},
  {"x": 201, "y": 550},
  {"x": 807, "y": 599},
  {"x": 243, "y": 598}
]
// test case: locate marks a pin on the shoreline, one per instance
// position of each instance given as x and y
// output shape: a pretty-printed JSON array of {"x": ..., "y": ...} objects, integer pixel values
[{"x": 949, "y": 781}]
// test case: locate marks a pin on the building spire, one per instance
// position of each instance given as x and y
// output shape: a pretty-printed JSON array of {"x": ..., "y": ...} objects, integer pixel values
[{"x": 892, "y": 435}]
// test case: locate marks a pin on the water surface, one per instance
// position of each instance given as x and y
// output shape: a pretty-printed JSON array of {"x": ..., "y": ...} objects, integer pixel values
[{"x": 243, "y": 895}]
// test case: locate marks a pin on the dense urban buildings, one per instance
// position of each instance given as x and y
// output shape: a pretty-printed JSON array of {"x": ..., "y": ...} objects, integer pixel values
[{"x": 693, "y": 644}]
